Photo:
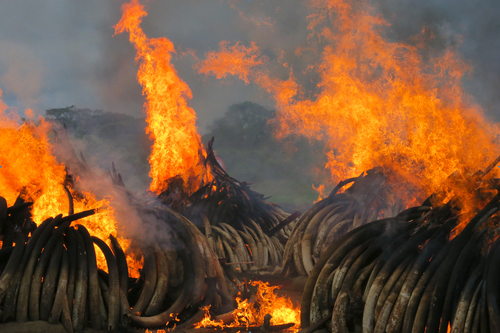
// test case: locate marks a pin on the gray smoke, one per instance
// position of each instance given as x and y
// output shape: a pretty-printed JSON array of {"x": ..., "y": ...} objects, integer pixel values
[
  {"x": 474, "y": 22},
  {"x": 57, "y": 53}
]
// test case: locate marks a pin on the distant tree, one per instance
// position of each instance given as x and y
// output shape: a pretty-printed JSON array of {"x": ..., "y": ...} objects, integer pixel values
[
  {"x": 245, "y": 121},
  {"x": 284, "y": 170},
  {"x": 104, "y": 137},
  {"x": 71, "y": 115}
]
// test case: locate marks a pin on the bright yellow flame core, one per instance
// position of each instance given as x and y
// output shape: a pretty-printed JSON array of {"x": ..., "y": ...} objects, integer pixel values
[{"x": 171, "y": 122}]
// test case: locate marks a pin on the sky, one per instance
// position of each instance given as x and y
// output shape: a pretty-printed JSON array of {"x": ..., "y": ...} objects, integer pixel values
[{"x": 56, "y": 53}]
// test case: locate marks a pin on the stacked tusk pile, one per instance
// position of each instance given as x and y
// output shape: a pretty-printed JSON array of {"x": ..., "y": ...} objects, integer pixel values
[
  {"x": 244, "y": 250},
  {"x": 50, "y": 272},
  {"x": 246, "y": 231},
  {"x": 53, "y": 276},
  {"x": 187, "y": 270},
  {"x": 366, "y": 200},
  {"x": 428, "y": 269}
]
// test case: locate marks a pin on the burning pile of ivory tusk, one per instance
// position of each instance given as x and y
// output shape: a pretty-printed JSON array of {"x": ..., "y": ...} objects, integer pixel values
[{"x": 430, "y": 268}]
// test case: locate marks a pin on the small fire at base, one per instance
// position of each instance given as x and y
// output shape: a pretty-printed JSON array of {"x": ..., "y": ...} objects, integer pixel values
[{"x": 253, "y": 311}]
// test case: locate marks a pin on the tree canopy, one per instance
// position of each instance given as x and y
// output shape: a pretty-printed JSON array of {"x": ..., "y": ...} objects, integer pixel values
[{"x": 284, "y": 170}]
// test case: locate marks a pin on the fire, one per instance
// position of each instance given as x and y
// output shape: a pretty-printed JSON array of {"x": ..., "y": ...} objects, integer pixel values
[
  {"x": 280, "y": 308},
  {"x": 249, "y": 313},
  {"x": 237, "y": 60},
  {"x": 207, "y": 321},
  {"x": 378, "y": 102},
  {"x": 171, "y": 122},
  {"x": 29, "y": 168}
]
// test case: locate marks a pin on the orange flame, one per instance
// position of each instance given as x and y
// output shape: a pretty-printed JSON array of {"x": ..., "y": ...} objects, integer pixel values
[
  {"x": 29, "y": 168},
  {"x": 380, "y": 103},
  {"x": 171, "y": 122},
  {"x": 266, "y": 301},
  {"x": 237, "y": 60},
  {"x": 207, "y": 321}
]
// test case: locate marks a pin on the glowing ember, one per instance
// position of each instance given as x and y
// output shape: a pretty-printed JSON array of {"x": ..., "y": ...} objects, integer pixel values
[
  {"x": 30, "y": 169},
  {"x": 171, "y": 122},
  {"x": 266, "y": 301},
  {"x": 379, "y": 103}
]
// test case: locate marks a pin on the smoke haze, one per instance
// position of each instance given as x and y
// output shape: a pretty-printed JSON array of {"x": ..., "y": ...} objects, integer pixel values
[{"x": 57, "y": 53}]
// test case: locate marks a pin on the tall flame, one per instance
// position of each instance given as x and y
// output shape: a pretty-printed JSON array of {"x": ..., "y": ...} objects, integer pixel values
[
  {"x": 379, "y": 103},
  {"x": 171, "y": 122},
  {"x": 28, "y": 167}
]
